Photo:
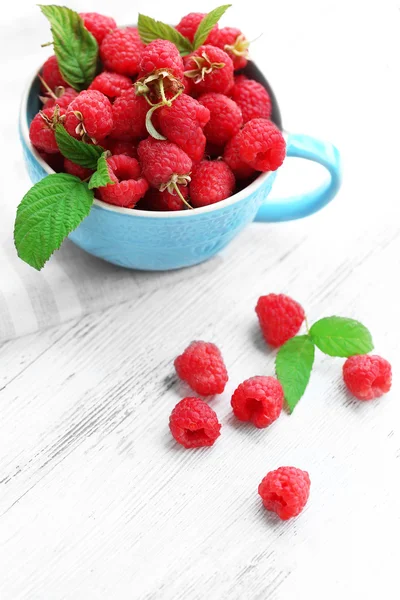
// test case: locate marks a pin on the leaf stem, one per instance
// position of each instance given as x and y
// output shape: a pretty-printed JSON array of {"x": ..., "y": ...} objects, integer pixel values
[{"x": 178, "y": 191}]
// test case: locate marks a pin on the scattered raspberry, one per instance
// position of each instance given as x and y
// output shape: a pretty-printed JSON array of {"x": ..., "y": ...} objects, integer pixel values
[
  {"x": 280, "y": 318},
  {"x": 182, "y": 123},
  {"x": 234, "y": 43},
  {"x": 367, "y": 376},
  {"x": 188, "y": 25},
  {"x": 120, "y": 51},
  {"x": 285, "y": 491},
  {"x": 51, "y": 73},
  {"x": 129, "y": 116},
  {"x": 262, "y": 145},
  {"x": 156, "y": 200},
  {"x": 210, "y": 69},
  {"x": 164, "y": 164},
  {"x": 161, "y": 54},
  {"x": 225, "y": 118},
  {"x": 74, "y": 169},
  {"x": 89, "y": 116},
  {"x": 194, "y": 424},
  {"x": 121, "y": 147},
  {"x": 240, "y": 169},
  {"x": 252, "y": 98},
  {"x": 129, "y": 186},
  {"x": 98, "y": 25},
  {"x": 111, "y": 84},
  {"x": 42, "y": 129},
  {"x": 259, "y": 400},
  {"x": 202, "y": 367},
  {"x": 211, "y": 181},
  {"x": 64, "y": 97}
]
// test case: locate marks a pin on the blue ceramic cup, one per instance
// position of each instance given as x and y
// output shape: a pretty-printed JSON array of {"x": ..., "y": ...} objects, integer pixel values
[{"x": 160, "y": 241}]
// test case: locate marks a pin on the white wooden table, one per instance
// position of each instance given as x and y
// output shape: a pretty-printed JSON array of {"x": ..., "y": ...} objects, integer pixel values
[{"x": 96, "y": 499}]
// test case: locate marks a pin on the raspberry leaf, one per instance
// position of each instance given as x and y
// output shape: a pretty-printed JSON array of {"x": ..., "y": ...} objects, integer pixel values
[
  {"x": 207, "y": 24},
  {"x": 75, "y": 47},
  {"x": 150, "y": 29},
  {"x": 85, "y": 155},
  {"x": 51, "y": 209},
  {"x": 340, "y": 336},
  {"x": 101, "y": 176},
  {"x": 293, "y": 366}
]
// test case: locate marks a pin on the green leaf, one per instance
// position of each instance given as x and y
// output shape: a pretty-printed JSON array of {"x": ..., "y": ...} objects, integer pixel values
[
  {"x": 150, "y": 29},
  {"x": 207, "y": 24},
  {"x": 293, "y": 366},
  {"x": 51, "y": 209},
  {"x": 101, "y": 177},
  {"x": 80, "y": 153},
  {"x": 339, "y": 336},
  {"x": 75, "y": 47}
]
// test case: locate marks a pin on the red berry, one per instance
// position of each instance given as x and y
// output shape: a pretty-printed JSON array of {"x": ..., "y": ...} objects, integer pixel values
[
  {"x": 211, "y": 181},
  {"x": 225, "y": 118},
  {"x": 98, "y": 25},
  {"x": 64, "y": 97},
  {"x": 55, "y": 161},
  {"x": 259, "y": 400},
  {"x": 129, "y": 186},
  {"x": 252, "y": 99},
  {"x": 193, "y": 423},
  {"x": 367, "y": 376},
  {"x": 280, "y": 318},
  {"x": 89, "y": 116},
  {"x": 210, "y": 69},
  {"x": 52, "y": 75},
  {"x": 201, "y": 365},
  {"x": 188, "y": 25},
  {"x": 240, "y": 169},
  {"x": 120, "y": 51},
  {"x": 234, "y": 43},
  {"x": 156, "y": 200},
  {"x": 111, "y": 84},
  {"x": 161, "y": 54},
  {"x": 163, "y": 163},
  {"x": 129, "y": 116},
  {"x": 261, "y": 145},
  {"x": 120, "y": 147},
  {"x": 74, "y": 169},
  {"x": 285, "y": 491},
  {"x": 42, "y": 129}
]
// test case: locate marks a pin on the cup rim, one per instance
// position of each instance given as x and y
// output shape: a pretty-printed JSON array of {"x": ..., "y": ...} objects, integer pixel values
[{"x": 181, "y": 214}]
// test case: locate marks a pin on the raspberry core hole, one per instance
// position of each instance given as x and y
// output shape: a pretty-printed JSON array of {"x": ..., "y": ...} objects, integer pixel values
[
  {"x": 378, "y": 385},
  {"x": 197, "y": 434},
  {"x": 277, "y": 500},
  {"x": 253, "y": 405}
]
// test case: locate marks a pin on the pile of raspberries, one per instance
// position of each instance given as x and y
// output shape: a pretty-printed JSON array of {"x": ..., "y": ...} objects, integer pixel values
[{"x": 182, "y": 132}]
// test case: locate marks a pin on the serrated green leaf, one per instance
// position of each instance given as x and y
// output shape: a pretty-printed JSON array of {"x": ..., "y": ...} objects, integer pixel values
[
  {"x": 293, "y": 366},
  {"x": 85, "y": 155},
  {"x": 206, "y": 25},
  {"x": 339, "y": 336},
  {"x": 150, "y": 29},
  {"x": 101, "y": 176},
  {"x": 75, "y": 47},
  {"x": 51, "y": 209}
]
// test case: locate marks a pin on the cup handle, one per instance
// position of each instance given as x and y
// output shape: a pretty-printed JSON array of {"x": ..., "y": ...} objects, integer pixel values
[{"x": 296, "y": 207}]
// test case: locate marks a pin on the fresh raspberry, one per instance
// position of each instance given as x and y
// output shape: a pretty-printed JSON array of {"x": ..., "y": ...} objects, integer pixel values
[
  {"x": 234, "y": 43},
  {"x": 252, "y": 99},
  {"x": 182, "y": 123},
  {"x": 259, "y": 400},
  {"x": 201, "y": 365},
  {"x": 55, "y": 161},
  {"x": 280, "y": 318},
  {"x": 262, "y": 145},
  {"x": 161, "y": 54},
  {"x": 210, "y": 69},
  {"x": 64, "y": 97},
  {"x": 42, "y": 129},
  {"x": 367, "y": 376},
  {"x": 129, "y": 186},
  {"x": 51, "y": 73},
  {"x": 240, "y": 169},
  {"x": 120, "y": 147},
  {"x": 89, "y": 116},
  {"x": 211, "y": 181},
  {"x": 188, "y": 25},
  {"x": 156, "y": 200},
  {"x": 111, "y": 84},
  {"x": 285, "y": 491},
  {"x": 98, "y": 25},
  {"x": 225, "y": 118},
  {"x": 164, "y": 164},
  {"x": 120, "y": 51},
  {"x": 193, "y": 423},
  {"x": 74, "y": 169},
  {"x": 129, "y": 116}
]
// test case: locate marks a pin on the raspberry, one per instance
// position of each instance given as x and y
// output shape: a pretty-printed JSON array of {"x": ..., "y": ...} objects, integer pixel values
[
  {"x": 156, "y": 200},
  {"x": 55, "y": 161},
  {"x": 129, "y": 116},
  {"x": 262, "y": 145},
  {"x": 64, "y": 97},
  {"x": 280, "y": 318},
  {"x": 210, "y": 69},
  {"x": 188, "y": 25},
  {"x": 98, "y": 25},
  {"x": 285, "y": 491},
  {"x": 240, "y": 169},
  {"x": 252, "y": 98},
  {"x": 367, "y": 376},
  {"x": 182, "y": 123},
  {"x": 111, "y": 84},
  {"x": 89, "y": 116},
  {"x": 51, "y": 73},
  {"x": 161, "y": 55},
  {"x": 120, "y": 51},
  {"x": 74, "y": 169},
  {"x": 129, "y": 186},
  {"x": 201, "y": 365},
  {"x": 234, "y": 43},
  {"x": 211, "y": 181},
  {"x": 259, "y": 400},
  {"x": 121, "y": 147},
  {"x": 194, "y": 424},
  {"x": 42, "y": 129},
  {"x": 225, "y": 118},
  {"x": 164, "y": 164}
]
